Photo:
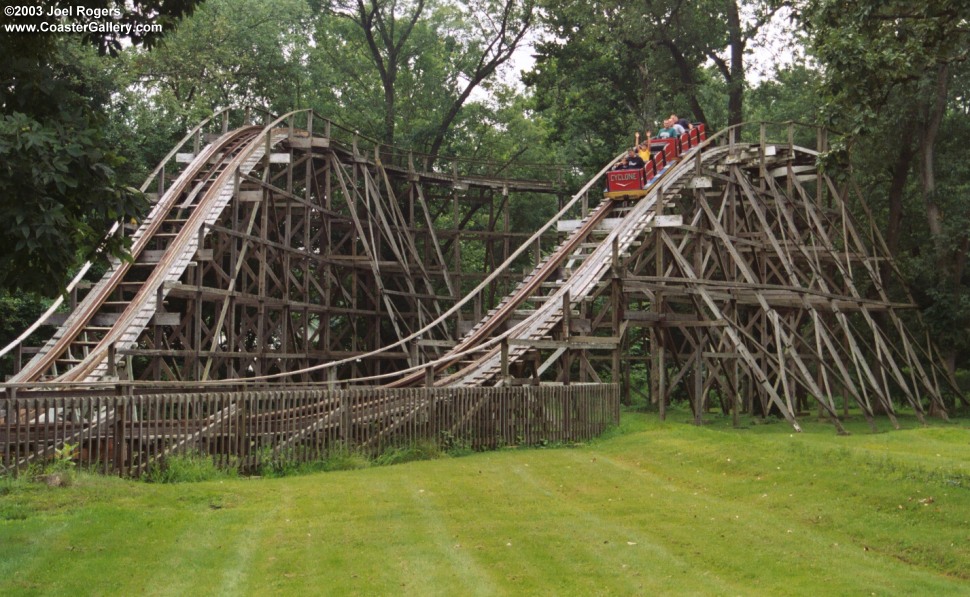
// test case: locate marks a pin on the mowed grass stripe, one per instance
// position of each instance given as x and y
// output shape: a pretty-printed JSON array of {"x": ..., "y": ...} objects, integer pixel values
[
  {"x": 782, "y": 536},
  {"x": 615, "y": 528},
  {"x": 657, "y": 508}
]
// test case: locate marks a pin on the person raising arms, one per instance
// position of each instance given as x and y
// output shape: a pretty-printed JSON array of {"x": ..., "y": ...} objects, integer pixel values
[{"x": 643, "y": 147}]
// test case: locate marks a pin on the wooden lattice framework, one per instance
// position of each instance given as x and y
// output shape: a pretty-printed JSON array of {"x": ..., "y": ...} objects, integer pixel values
[
  {"x": 742, "y": 274},
  {"x": 325, "y": 246},
  {"x": 764, "y": 291}
]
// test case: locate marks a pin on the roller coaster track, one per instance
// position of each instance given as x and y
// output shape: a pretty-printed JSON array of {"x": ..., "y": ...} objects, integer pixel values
[
  {"x": 534, "y": 316},
  {"x": 569, "y": 274},
  {"x": 123, "y": 302}
]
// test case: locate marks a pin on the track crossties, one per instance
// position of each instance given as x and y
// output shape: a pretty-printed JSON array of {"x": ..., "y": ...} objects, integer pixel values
[{"x": 298, "y": 252}]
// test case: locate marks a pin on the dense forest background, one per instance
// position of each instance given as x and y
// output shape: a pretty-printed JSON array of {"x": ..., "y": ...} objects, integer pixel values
[{"x": 86, "y": 117}]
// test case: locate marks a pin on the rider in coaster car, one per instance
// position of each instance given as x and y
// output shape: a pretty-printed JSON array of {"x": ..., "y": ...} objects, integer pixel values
[{"x": 634, "y": 161}]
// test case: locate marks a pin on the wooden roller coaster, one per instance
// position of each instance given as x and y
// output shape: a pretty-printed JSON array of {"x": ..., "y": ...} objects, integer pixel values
[{"x": 306, "y": 254}]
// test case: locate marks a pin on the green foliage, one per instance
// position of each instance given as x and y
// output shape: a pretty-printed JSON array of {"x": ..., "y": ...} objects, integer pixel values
[
  {"x": 190, "y": 467},
  {"x": 586, "y": 86},
  {"x": 294, "y": 54},
  {"x": 790, "y": 95},
  {"x": 872, "y": 47},
  {"x": 18, "y": 310},
  {"x": 895, "y": 80},
  {"x": 962, "y": 377},
  {"x": 343, "y": 459},
  {"x": 230, "y": 53},
  {"x": 59, "y": 191},
  {"x": 452, "y": 445},
  {"x": 657, "y": 508},
  {"x": 275, "y": 464},
  {"x": 64, "y": 458},
  {"x": 610, "y": 68},
  {"x": 421, "y": 61},
  {"x": 58, "y": 194},
  {"x": 60, "y": 471},
  {"x": 423, "y": 449}
]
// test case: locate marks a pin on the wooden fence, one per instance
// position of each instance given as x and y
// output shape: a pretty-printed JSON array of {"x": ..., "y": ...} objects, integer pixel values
[{"x": 124, "y": 434}]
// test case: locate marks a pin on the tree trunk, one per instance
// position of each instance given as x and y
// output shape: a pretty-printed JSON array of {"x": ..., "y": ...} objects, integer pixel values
[
  {"x": 498, "y": 50},
  {"x": 897, "y": 187},
  {"x": 735, "y": 80},
  {"x": 951, "y": 262},
  {"x": 928, "y": 156},
  {"x": 389, "y": 110},
  {"x": 686, "y": 78}
]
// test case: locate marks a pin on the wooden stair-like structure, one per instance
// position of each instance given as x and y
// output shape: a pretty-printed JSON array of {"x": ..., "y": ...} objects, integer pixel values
[
  {"x": 740, "y": 267},
  {"x": 767, "y": 290},
  {"x": 123, "y": 303}
]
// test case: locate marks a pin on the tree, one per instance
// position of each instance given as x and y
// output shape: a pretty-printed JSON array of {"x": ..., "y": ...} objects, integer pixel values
[
  {"x": 895, "y": 77},
  {"x": 386, "y": 27},
  {"x": 649, "y": 53},
  {"x": 591, "y": 83},
  {"x": 58, "y": 188},
  {"x": 478, "y": 36},
  {"x": 229, "y": 53},
  {"x": 790, "y": 95},
  {"x": 58, "y": 194}
]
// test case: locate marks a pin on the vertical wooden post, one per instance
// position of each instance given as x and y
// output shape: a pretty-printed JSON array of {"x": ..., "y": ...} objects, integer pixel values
[
  {"x": 735, "y": 399},
  {"x": 456, "y": 243},
  {"x": 566, "y": 355},
  {"x": 617, "y": 323},
  {"x": 699, "y": 381},
  {"x": 732, "y": 374},
  {"x": 822, "y": 143},
  {"x": 123, "y": 396},
  {"x": 11, "y": 447},
  {"x": 197, "y": 368},
  {"x": 112, "y": 370},
  {"x": 763, "y": 148},
  {"x": 242, "y": 427},
  {"x": 345, "y": 418},
  {"x": 658, "y": 376},
  {"x": 414, "y": 352},
  {"x": 505, "y": 360}
]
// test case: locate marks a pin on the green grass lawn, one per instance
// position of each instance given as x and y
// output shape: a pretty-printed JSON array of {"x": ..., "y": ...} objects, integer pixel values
[{"x": 654, "y": 508}]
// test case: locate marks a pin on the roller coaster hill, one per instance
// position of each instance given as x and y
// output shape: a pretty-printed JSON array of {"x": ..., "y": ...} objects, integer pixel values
[{"x": 293, "y": 288}]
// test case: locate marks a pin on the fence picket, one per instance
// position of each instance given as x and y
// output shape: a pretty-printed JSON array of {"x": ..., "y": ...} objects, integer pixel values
[{"x": 123, "y": 433}]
